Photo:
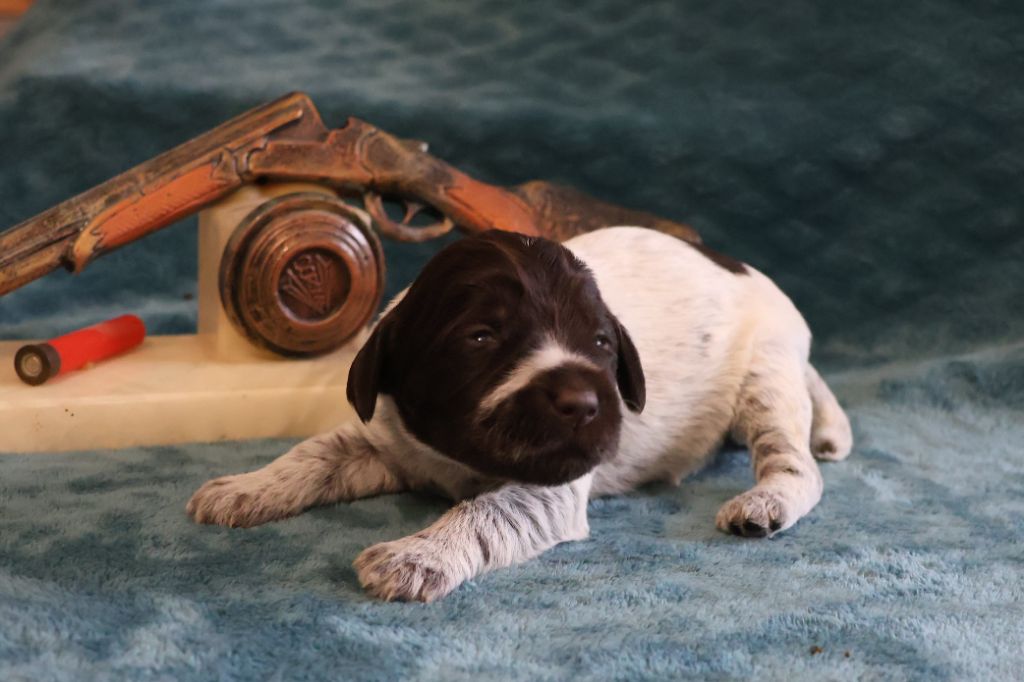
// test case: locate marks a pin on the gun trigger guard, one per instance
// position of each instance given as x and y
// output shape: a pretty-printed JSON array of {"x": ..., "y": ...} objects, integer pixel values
[{"x": 403, "y": 231}]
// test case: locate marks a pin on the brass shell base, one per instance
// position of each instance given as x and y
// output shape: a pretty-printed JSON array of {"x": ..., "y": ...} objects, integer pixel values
[{"x": 302, "y": 274}]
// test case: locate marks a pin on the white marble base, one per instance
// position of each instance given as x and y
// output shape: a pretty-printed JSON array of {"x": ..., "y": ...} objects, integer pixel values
[
  {"x": 211, "y": 386},
  {"x": 171, "y": 390}
]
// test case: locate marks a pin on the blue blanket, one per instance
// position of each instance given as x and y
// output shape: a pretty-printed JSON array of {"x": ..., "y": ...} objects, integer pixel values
[{"x": 868, "y": 156}]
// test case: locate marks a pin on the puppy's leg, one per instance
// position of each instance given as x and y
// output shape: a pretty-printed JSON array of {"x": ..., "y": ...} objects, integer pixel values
[
  {"x": 336, "y": 466},
  {"x": 499, "y": 528},
  {"x": 831, "y": 436},
  {"x": 774, "y": 420}
]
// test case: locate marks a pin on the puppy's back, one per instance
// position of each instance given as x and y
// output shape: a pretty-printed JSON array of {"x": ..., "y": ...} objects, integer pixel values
[
  {"x": 670, "y": 296},
  {"x": 693, "y": 317}
]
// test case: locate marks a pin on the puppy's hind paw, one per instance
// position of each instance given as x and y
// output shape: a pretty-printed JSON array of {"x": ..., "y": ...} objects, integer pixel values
[
  {"x": 832, "y": 442},
  {"x": 754, "y": 514},
  {"x": 831, "y": 435},
  {"x": 410, "y": 569}
]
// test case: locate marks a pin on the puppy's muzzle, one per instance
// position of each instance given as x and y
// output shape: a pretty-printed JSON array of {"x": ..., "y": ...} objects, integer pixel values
[
  {"x": 553, "y": 427},
  {"x": 574, "y": 401},
  {"x": 572, "y": 396}
]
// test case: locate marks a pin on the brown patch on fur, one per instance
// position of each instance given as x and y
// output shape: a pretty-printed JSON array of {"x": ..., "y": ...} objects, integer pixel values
[
  {"x": 485, "y": 546},
  {"x": 825, "y": 447},
  {"x": 771, "y": 468},
  {"x": 727, "y": 262},
  {"x": 769, "y": 445},
  {"x": 755, "y": 404}
]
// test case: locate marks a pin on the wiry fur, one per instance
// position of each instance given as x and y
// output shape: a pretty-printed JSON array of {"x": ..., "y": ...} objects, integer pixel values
[{"x": 723, "y": 351}]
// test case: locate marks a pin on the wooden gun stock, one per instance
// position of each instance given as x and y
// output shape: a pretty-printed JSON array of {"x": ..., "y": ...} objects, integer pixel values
[{"x": 286, "y": 140}]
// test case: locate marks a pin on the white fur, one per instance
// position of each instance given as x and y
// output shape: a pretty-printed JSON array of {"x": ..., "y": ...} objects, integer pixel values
[
  {"x": 722, "y": 353},
  {"x": 549, "y": 356}
]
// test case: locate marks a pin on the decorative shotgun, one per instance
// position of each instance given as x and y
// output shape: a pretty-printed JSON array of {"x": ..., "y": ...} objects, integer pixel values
[{"x": 286, "y": 140}]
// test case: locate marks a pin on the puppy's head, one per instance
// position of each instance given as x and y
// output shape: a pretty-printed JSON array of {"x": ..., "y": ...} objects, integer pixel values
[{"x": 503, "y": 356}]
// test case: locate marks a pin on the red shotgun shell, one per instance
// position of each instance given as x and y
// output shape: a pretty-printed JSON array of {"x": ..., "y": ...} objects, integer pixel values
[{"x": 40, "y": 361}]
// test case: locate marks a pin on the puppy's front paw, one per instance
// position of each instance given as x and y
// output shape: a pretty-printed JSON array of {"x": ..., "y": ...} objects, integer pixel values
[
  {"x": 236, "y": 501},
  {"x": 410, "y": 569},
  {"x": 754, "y": 514}
]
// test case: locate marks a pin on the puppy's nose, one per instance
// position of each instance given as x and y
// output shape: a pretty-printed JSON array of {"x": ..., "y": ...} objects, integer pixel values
[{"x": 576, "y": 405}]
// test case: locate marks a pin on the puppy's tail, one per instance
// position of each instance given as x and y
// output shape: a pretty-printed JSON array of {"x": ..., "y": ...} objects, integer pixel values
[{"x": 831, "y": 437}]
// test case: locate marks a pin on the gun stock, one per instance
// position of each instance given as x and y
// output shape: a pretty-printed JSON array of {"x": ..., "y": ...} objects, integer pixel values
[{"x": 286, "y": 140}]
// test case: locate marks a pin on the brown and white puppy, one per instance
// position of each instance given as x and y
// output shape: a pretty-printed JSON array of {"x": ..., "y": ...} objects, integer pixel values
[{"x": 520, "y": 378}]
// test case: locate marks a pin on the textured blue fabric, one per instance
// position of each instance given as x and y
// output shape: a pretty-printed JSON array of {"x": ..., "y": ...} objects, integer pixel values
[{"x": 868, "y": 156}]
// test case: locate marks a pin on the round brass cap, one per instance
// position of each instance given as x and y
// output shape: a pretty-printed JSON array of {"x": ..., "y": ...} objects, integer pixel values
[{"x": 302, "y": 274}]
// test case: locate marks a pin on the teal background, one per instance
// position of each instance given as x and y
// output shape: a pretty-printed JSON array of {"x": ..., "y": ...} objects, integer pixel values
[{"x": 868, "y": 156}]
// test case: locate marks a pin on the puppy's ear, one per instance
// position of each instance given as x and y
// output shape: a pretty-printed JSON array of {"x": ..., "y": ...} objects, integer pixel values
[
  {"x": 629, "y": 374},
  {"x": 365, "y": 375}
]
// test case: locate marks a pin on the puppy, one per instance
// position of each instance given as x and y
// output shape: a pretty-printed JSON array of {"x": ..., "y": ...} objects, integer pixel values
[{"x": 520, "y": 377}]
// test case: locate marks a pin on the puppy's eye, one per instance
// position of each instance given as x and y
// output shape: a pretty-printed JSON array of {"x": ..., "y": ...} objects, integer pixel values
[
  {"x": 602, "y": 341},
  {"x": 481, "y": 336}
]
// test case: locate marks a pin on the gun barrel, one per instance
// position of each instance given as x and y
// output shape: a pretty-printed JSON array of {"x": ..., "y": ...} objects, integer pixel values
[
  {"x": 34, "y": 248},
  {"x": 150, "y": 196}
]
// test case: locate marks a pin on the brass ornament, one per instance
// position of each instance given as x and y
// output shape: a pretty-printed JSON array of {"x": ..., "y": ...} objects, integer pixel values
[{"x": 301, "y": 274}]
